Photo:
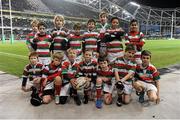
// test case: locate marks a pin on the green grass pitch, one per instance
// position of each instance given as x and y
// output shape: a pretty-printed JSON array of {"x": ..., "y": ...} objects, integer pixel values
[{"x": 13, "y": 57}]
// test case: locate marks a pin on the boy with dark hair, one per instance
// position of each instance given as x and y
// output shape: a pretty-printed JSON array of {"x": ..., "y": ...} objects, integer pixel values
[
  {"x": 105, "y": 79},
  {"x": 33, "y": 73},
  {"x": 113, "y": 40},
  {"x": 75, "y": 40},
  {"x": 42, "y": 41},
  {"x": 136, "y": 38},
  {"x": 125, "y": 71},
  {"x": 147, "y": 79},
  {"x": 91, "y": 38},
  {"x": 88, "y": 69}
]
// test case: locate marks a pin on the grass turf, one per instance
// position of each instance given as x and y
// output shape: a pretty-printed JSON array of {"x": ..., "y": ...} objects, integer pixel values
[{"x": 13, "y": 57}]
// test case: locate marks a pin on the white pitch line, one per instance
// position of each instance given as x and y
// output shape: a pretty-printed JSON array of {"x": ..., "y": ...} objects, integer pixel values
[{"x": 14, "y": 55}]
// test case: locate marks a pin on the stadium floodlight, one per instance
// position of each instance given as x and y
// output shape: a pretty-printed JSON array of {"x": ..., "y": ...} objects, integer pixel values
[
  {"x": 134, "y": 4},
  {"x": 125, "y": 12}
]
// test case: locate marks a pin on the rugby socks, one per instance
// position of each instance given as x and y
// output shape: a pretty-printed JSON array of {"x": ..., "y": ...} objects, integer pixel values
[
  {"x": 57, "y": 89},
  {"x": 98, "y": 91}
]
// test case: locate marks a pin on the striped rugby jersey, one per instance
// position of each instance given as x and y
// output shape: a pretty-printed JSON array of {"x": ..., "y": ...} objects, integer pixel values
[
  {"x": 135, "y": 38},
  {"x": 69, "y": 70},
  {"x": 108, "y": 74},
  {"x": 148, "y": 74},
  {"x": 114, "y": 41},
  {"x": 42, "y": 42},
  {"x": 75, "y": 42},
  {"x": 124, "y": 67},
  {"x": 32, "y": 71},
  {"x": 88, "y": 69},
  {"x": 51, "y": 71},
  {"x": 30, "y": 37},
  {"x": 102, "y": 29},
  {"x": 91, "y": 39},
  {"x": 60, "y": 40}
]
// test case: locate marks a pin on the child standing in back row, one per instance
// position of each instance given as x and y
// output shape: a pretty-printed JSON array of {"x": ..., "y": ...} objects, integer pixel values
[
  {"x": 114, "y": 41},
  {"x": 75, "y": 40},
  {"x": 91, "y": 38},
  {"x": 102, "y": 26},
  {"x": 59, "y": 36},
  {"x": 136, "y": 38},
  {"x": 30, "y": 44},
  {"x": 42, "y": 40}
]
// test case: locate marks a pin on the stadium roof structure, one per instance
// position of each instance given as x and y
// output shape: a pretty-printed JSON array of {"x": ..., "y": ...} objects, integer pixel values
[
  {"x": 124, "y": 9},
  {"x": 128, "y": 9}
]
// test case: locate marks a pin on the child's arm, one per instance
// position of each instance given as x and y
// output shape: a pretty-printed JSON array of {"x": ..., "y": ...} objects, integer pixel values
[
  {"x": 128, "y": 76},
  {"x": 23, "y": 87},
  {"x": 24, "y": 79},
  {"x": 117, "y": 76},
  {"x": 157, "y": 86},
  {"x": 51, "y": 77},
  {"x": 156, "y": 78}
]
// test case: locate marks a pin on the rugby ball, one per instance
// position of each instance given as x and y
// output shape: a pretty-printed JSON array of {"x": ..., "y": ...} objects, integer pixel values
[{"x": 81, "y": 83}]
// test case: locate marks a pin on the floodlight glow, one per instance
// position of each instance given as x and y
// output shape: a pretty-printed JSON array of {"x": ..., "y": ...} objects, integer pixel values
[
  {"x": 124, "y": 12},
  {"x": 134, "y": 4}
]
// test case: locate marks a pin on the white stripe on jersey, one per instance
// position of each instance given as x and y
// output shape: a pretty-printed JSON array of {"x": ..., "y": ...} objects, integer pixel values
[
  {"x": 42, "y": 50},
  {"x": 57, "y": 44},
  {"x": 91, "y": 46},
  {"x": 75, "y": 42},
  {"x": 86, "y": 33}
]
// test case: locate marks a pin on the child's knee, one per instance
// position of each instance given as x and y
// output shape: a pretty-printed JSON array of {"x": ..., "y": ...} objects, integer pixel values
[
  {"x": 108, "y": 99},
  {"x": 127, "y": 99},
  {"x": 138, "y": 86},
  {"x": 46, "y": 99},
  {"x": 99, "y": 81},
  {"x": 58, "y": 80},
  {"x": 152, "y": 98}
]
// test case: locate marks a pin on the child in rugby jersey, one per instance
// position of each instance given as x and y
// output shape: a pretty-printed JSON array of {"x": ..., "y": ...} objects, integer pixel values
[
  {"x": 29, "y": 38},
  {"x": 136, "y": 38},
  {"x": 42, "y": 40},
  {"x": 52, "y": 81},
  {"x": 102, "y": 26},
  {"x": 147, "y": 79},
  {"x": 75, "y": 40},
  {"x": 70, "y": 73},
  {"x": 91, "y": 38},
  {"x": 126, "y": 67},
  {"x": 33, "y": 73},
  {"x": 104, "y": 82},
  {"x": 59, "y": 35},
  {"x": 114, "y": 41},
  {"x": 88, "y": 69}
]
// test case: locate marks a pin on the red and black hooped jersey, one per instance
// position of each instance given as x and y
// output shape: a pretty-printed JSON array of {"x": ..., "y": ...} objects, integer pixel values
[
  {"x": 88, "y": 69},
  {"x": 33, "y": 71}
]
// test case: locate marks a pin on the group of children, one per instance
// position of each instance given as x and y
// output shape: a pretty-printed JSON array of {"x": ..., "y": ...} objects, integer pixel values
[{"x": 98, "y": 56}]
